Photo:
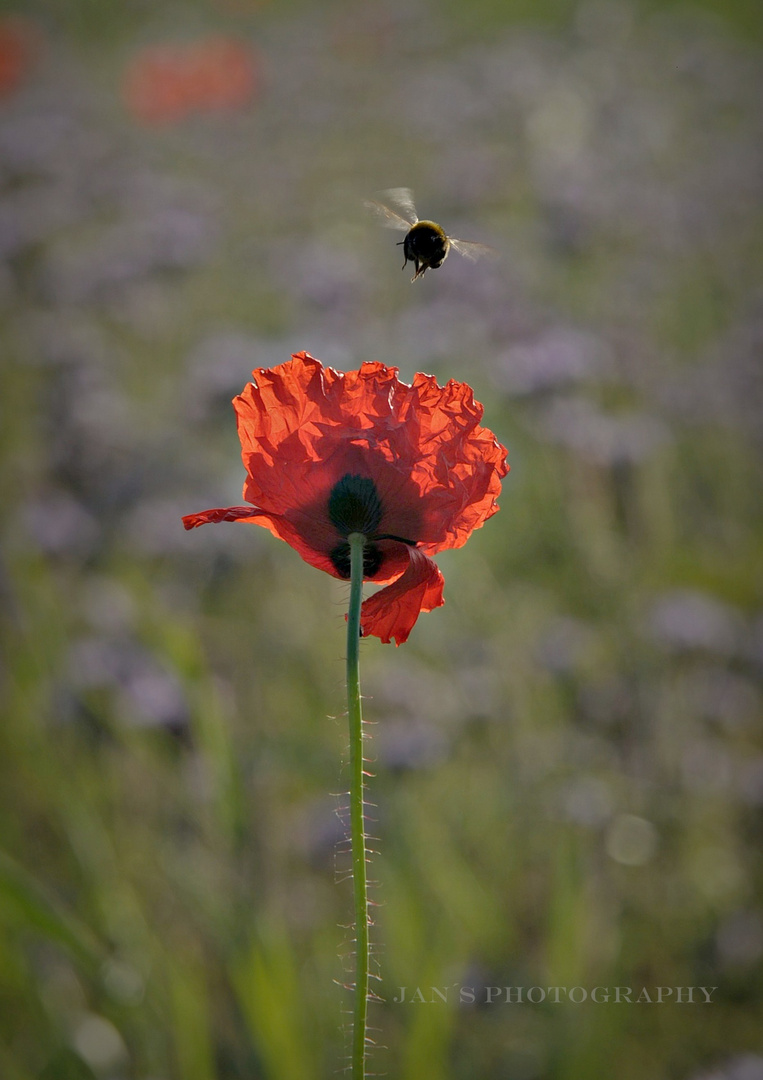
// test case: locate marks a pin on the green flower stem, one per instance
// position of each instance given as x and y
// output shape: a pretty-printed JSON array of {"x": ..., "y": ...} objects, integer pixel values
[{"x": 357, "y": 824}]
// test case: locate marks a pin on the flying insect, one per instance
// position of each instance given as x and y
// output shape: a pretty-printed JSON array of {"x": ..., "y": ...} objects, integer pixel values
[{"x": 426, "y": 244}]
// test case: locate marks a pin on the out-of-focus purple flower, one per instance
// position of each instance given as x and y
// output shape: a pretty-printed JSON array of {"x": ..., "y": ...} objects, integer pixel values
[
  {"x": 48, "y": 141},
  {"x": 216, "y": 367},
  {"x": 556, "y": 358},
  {"x": 739, "y": 939},
  {"x": 153, "y": 697},
  {"x": 750, "y": 781},
  {"x": 321, "y": 832},
  {"x": 151, "y": 529},
  {"x": 34, "y": 213},
  {"x": 173, "y": 239},
  {"x": 707, "y": 767},
  {"x": 147, "y": 693},
  {"x": 687, "y": 620},
  {"x": 607, "y": 439},
  {"x": 323, "y": 274},
  {"x": 727, "y": 387},
  {"x": 401, "y": 745},
  {"x": 417, "y": 694},
  {"x": 95, "y": 662},
  {"x": 755, "y": 646},
  {"x": 77, "y": 341},
  {"x": 59, "y": 525},
  {"x": 432, "y": 331},
  {"x": 745, "y": 1067},
  {"x": 606, "y": 701},
  {"x": 723, "y": 697},
  {"x": 107, "y": 605},
  {"x": 440, "y": 99},
  {"x": 587, "y": 800},
  {"x": 563, "y": 644}
]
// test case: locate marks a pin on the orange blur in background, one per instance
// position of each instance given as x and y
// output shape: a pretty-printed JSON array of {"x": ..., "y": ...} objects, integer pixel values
[
  {"x": 163, "y": 84},
  {"x": 20, "y": 43}
]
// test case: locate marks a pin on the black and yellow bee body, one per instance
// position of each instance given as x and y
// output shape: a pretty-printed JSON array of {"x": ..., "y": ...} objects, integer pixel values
[{"x": 426, "y": 244}]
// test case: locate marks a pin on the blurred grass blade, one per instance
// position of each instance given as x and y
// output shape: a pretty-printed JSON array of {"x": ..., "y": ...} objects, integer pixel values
[
  {"x": 191, "y": 1012},
  {"x": 22, "y": 895},
  {"x": 268, "y": 988}
]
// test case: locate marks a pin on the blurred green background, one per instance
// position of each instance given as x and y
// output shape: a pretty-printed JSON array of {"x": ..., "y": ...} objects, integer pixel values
[{"x": 569, "y": 768}]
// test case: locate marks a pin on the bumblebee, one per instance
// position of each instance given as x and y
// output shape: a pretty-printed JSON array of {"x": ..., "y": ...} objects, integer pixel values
[{"x": 426, "y": 244}]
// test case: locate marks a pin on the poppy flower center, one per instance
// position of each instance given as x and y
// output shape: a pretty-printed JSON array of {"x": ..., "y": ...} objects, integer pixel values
[{"x": 355, "y": 506}]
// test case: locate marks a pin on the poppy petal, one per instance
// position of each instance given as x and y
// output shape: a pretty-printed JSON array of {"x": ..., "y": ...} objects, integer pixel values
[
  {"x": 323, "y": 449},
  {"x": 392, "y": 612},
  {"x": 302, "y": 426},
  {"x": 221, "y": 513},
  {"x": 279, "y": 526}
]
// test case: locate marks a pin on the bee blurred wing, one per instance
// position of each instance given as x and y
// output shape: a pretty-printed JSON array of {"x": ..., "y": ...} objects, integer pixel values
[
  {"x": 472, "y": 251},
  {"x": 402, "y": 198},
  {"x": 385, "y": 216}
]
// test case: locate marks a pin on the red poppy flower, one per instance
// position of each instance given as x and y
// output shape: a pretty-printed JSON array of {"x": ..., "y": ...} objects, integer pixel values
[
  {"x": 328, "y": 454},
  {"x": 165, "y": 83},
  {"x": 222, "y": 73},
  {"x": 156, "y": 89},
  {"x": 19, "y": 45}
]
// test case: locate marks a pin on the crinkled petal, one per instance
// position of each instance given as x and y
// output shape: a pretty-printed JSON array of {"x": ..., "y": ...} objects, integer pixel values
[
  {"x": 392, "y": 612},
  {"x": 435, "y": 471},
  {"x": 302, "y": 426}
]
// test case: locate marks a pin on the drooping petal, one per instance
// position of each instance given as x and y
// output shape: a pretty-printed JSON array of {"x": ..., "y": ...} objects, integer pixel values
[
  {"x": 392, "y": 612},
  {"x": 278, "y": 525},
  {"x": 220, "y": 513}
]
